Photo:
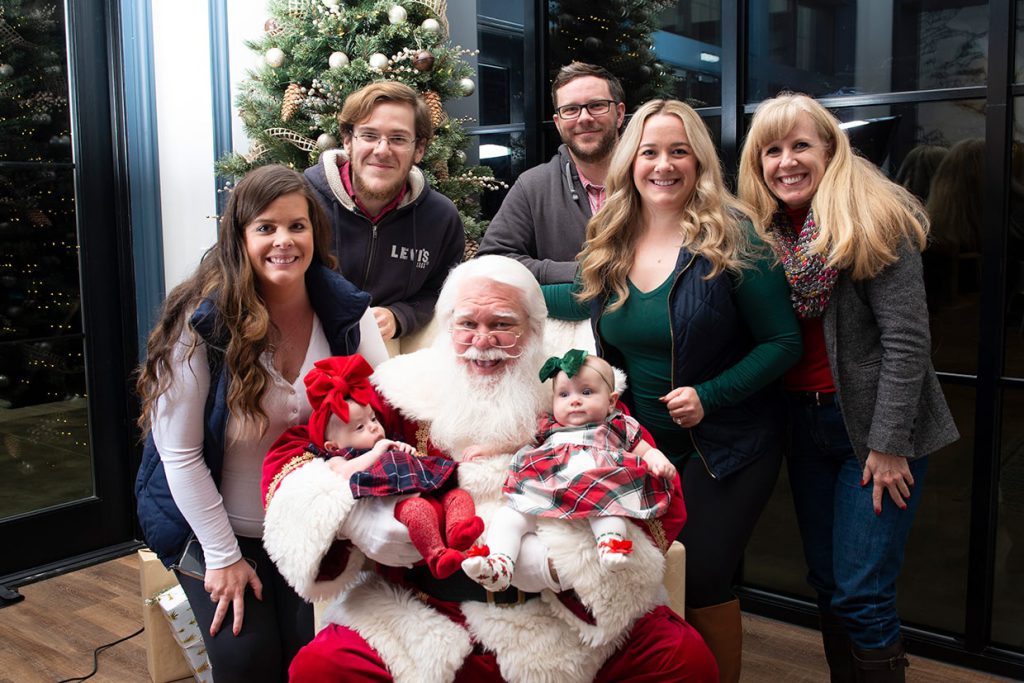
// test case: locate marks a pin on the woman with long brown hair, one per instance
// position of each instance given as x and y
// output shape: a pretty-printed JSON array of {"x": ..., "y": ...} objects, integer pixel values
[
  {"x": 682, "y": 296},
  {"x": 222, "y": 379},
  {"x": 864, "y": 404}
]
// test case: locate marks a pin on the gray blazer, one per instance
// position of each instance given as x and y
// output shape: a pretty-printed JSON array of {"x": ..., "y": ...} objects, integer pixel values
[{"x": 879, "y": 349}]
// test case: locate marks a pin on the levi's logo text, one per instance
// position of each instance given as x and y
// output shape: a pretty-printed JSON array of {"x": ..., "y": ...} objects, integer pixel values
[{"x": 421, "y": 257}]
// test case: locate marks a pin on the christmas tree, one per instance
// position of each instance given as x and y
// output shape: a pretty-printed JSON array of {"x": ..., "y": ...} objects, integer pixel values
[
  {"x": 316, "y": 52},
  {"x": 40, "y": 323},
  {"x": 615, "y": 34}
]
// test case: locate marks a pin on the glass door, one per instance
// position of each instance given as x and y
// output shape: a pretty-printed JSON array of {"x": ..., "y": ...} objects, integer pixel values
[{"x": 64, "y": 412}]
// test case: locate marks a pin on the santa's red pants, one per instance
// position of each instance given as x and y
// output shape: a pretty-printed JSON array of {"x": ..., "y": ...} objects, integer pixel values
[{"x": 662, "y": 648}]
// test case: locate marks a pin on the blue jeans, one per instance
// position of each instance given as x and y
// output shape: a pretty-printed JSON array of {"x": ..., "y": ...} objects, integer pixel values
[{"x": 853, "y": 556}]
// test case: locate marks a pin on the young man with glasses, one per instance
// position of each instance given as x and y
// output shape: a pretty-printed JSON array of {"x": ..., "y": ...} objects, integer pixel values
[
  {"x": 394, "y": 237},
  {"x": 542, "y": 222}
]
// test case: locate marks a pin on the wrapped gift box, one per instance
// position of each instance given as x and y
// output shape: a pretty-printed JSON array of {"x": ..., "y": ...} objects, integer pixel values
[
  {"x": 185, "y": 631},
  {"x": 164, "y": 658}
]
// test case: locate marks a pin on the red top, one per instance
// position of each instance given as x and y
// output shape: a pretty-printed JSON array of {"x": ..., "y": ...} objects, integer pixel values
[{"x": 812, "y": 371}]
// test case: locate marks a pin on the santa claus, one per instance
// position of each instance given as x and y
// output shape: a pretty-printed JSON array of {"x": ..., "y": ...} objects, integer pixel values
[{"x": 566, "y": 617}]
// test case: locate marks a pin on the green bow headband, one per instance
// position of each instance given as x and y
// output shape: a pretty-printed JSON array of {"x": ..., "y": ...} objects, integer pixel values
[{"x": 570, "y": 364}]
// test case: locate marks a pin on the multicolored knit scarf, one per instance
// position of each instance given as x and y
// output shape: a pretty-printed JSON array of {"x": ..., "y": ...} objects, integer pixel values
[{"x": 811, "y": 279}]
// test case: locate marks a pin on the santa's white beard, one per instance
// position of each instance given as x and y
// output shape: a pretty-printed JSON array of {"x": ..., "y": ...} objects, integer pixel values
[{"x": 499, "y": 410}]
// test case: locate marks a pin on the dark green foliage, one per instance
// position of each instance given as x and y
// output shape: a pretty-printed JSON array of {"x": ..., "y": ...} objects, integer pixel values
[{"x": 308, "y": 32}]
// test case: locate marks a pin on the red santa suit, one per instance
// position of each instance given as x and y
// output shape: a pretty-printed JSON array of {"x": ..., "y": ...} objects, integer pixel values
[{"x": 384, "y": 625}]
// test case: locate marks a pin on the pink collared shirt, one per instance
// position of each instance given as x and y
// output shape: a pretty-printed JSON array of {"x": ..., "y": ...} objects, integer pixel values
[{"x": 595, "y": 193}]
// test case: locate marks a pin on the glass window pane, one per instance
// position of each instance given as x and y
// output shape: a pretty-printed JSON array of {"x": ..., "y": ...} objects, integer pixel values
[
  {"x": 500, "y": 69},
  {"x": 1019, "y": 62},
  {"x": 689, "y": 44},
  {"x": 1014, "y": 359},
  {"x": 505, "y": 155},
  {"x": 34, "y": 120},
  {"x": 871, "y": 46},
  {"x": 928, "y": 146},
  {"x": 1007, "y": 626},
  {"x": 618, "y": 35},
  {"x": 44, "y": 443},
  {"x": 941, "y": 533}
]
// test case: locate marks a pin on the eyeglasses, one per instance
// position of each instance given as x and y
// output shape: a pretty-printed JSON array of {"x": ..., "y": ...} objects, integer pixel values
[
  {"x": 399, "y": 142},
  {"x": 595, "y": 108},
  {"x": 464, "y": 336}
]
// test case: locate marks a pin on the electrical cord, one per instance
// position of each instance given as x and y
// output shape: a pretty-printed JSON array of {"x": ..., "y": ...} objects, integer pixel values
[{"x": 96, "y": 657}]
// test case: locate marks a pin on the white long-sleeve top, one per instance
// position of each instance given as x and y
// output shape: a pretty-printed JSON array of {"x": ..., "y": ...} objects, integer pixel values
[{"x": 237, "y": 508}]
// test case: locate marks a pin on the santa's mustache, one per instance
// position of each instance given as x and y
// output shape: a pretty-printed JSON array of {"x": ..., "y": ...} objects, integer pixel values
[{"x": 473, "y": 353}]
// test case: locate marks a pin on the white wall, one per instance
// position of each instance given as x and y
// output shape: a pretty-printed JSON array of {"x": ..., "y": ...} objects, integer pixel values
[
  {"x": 181, "y": 64},
  {"x": 184, "y": 106}
]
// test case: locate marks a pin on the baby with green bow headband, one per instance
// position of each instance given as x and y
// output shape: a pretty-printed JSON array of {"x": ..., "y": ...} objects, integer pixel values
[{"x": 588, "y": 462}]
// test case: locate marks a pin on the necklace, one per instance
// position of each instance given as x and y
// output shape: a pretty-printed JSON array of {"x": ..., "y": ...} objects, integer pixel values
[{"x": 671, "y": 250}]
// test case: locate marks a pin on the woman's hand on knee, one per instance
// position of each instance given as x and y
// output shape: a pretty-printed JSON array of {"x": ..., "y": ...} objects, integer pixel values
[
  {"x": 889, "y": 473},
  {"x": 227, "y": 588}
]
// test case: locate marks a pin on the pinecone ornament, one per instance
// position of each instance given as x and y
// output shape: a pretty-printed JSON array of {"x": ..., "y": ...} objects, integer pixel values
[
  {"x": 437, "y": 115},
  {"x": 472, "y": 247},
  {"x": 291, "y": 102},
  {"x": 440, "y": 170}
]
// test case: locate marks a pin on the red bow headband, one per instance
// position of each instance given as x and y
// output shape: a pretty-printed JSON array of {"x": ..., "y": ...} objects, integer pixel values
[{"x": 329, "y": 384}]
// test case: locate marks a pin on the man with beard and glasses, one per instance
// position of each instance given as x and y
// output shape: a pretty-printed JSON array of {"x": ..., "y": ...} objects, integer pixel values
[
  {"x": 566, "y": 619},
  {"x": 543, "y": 220},
  {"x": 394, "y": 237}
]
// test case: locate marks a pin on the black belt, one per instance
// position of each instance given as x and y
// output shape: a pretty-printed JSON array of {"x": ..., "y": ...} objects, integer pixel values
[
  {"x": 460, "y": 588},
  {"x": 815, "y": 398}
]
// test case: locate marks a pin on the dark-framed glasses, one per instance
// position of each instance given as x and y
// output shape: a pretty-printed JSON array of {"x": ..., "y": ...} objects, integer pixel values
[
  {"x": 466, "y": 336},
  {"x": 594, "y": 108},
  {"x": 400, "y": 142}
]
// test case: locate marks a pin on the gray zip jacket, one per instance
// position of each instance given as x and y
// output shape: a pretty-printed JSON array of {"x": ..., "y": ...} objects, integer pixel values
[
  {"x": 879, "y": 348},
  {"x": 543, "y": 221}
]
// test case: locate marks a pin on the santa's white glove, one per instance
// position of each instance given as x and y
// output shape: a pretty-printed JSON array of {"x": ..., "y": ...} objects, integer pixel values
[
  {"x": 532, "y": 573},
  {"x": 372, "y": 527}
]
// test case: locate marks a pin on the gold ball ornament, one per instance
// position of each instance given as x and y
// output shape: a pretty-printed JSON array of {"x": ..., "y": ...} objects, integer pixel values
[
  {"x": 397, "y": 15},
  {"x": 423, "y": 61},
  {"x": 274, "y": 57},
  {"x": 326, "y": 141}
]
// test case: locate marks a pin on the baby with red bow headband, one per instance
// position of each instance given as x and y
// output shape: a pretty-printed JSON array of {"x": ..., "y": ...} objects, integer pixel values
[{"x": 344, "y": 424}]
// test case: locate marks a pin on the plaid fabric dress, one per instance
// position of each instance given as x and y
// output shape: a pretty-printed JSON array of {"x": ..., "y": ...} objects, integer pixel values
[
  {"x": 396, "y": 473},
  {"x": 586, "y": 471}
]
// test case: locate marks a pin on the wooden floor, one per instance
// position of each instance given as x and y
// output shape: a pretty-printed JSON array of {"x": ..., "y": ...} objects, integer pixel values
[{"x": 50, "y": 636}]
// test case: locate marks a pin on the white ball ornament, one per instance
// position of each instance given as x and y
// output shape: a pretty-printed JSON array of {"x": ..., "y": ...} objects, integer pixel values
[
  {"x": 431, "y": 25},
  {"x": 331, "y": 3},
  {"x": 6, "y": 70},
  {"x": 338, "y": 60},
  {"x": 468, "y": 86},
  {"x": 326, "y": 141},
  {"x": 378, "y": 61},
  {"x": 274, "y": 57},
  {"x": 397, "y": 15}
]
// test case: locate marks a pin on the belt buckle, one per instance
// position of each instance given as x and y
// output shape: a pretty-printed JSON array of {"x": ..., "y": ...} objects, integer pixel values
[
  {"x": 817, "y": 398},
  {"x": 520, "y": 599}
]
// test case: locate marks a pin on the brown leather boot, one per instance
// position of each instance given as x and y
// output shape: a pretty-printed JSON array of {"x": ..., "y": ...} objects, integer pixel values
[
  {"x": 722, "y": 629},
  {"x": 838, "y": 650},
  {"x": 884, "y": 665}
]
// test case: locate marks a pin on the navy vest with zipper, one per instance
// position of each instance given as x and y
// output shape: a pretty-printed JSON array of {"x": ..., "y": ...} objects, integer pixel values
[
  {"x": 338, "y": 304},
  {"x": 709, "y": 336}
]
